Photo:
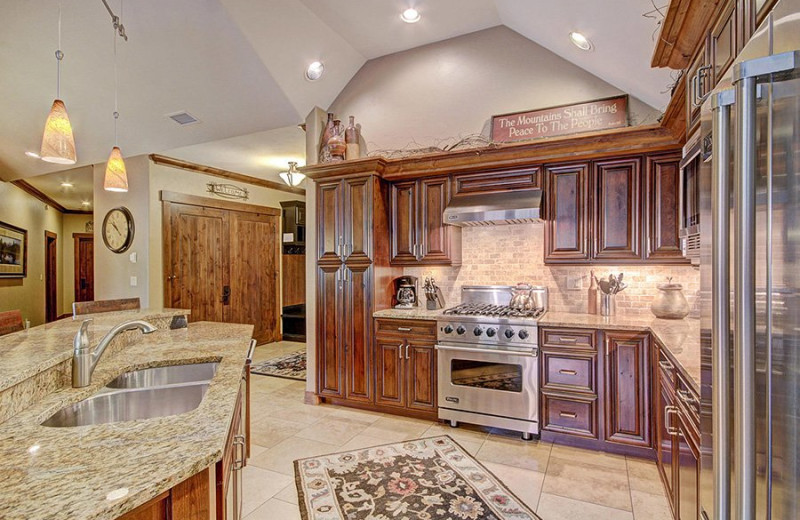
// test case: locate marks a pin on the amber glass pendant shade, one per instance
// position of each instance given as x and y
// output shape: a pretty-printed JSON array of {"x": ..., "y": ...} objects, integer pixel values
[
  {"x": 116, "y": 178},
  {"x": 58, "y": 144}
]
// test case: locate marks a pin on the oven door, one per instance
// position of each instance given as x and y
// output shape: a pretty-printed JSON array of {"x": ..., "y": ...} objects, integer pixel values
[{"x": 500, "y": 383}]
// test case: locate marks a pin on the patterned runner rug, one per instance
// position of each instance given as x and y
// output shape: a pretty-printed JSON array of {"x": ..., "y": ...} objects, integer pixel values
[
  {"x": 424, "y": 479},
  {"x": 291, "y": 366}
]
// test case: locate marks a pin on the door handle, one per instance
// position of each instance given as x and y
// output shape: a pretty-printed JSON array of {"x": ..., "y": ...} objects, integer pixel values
[{"x": 226, "y": 295}]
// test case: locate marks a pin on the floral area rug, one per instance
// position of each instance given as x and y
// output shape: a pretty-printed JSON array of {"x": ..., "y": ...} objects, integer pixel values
[
  {"x": 424, "y": 479},
  {"x": 291, "y": 366}
]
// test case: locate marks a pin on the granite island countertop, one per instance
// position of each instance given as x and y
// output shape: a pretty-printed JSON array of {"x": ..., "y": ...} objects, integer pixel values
[
  {"x": 680, "y": 337},
  {"x": 72, "y": 470}
]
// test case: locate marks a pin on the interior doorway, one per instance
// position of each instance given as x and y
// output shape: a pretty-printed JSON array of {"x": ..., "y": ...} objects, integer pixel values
[
  {"x": 50, "y": 276},
  {"x": 221, "y": 260},
  {"x": 84, "y": 266}
]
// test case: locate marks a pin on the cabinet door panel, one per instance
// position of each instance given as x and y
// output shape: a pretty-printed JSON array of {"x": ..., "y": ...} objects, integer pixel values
[
  {"x": 330, "y": 356},
  {"x": 329, "y": 229},
  {"x": 434, "y": 236},
  {"x": 723, "y": 42},
  {"x": 688, "y": 459},
  {"x": 358, "y": 220},
  {"x": 389, "y": 361},
  {"x": 358, "y": 321},
  {"x": 627, "y": 388},
  {"x": 664, "y": 441},
  {"x": 566, "y": 233},
  {"x": 404, "y": 222},
  {"x": 617, "y": 216},
  {"x": 421, "y": 374},
  {"x": 663, "y": 194}
]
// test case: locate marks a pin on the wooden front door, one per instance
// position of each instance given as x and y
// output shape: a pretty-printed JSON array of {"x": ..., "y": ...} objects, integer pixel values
[
  {"x": 84, "y": 267},
  {"x": 222, "y": 262},
  {"x": 50, "y": 276}
]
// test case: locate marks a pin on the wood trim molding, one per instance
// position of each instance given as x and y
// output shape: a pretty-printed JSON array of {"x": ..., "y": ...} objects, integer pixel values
[
  {"x": 225, "y": 174},
  {"x": 31, "y": 190},
  {"x": 194, "y": 200},
  {"x": 674, "y": 118},
  {"x": 683, "y": 27}
]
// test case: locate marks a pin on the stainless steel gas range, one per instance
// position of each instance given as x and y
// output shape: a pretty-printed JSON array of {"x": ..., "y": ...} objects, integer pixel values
[{"x": 488, "y": 363}]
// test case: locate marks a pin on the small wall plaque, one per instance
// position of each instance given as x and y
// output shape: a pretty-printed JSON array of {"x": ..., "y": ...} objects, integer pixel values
[{"x": 228, "y": 191}]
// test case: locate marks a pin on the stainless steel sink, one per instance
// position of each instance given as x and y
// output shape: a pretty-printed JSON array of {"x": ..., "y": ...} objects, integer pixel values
[
  {"x": 112, "y": 406},
  {"x": 161, "y": 376}
]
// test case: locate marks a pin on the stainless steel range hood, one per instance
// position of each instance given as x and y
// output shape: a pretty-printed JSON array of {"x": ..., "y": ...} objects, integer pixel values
[{"x": 513, "y": 207}]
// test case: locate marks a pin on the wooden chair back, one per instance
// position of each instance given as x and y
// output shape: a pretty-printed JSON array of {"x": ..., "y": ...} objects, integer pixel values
[
  {"x": 124, "y": 304},
  {"x": 10, "y": 321}
]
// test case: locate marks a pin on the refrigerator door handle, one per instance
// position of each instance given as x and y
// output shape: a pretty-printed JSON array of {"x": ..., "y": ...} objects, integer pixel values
[{"x": 721, "y": 130}]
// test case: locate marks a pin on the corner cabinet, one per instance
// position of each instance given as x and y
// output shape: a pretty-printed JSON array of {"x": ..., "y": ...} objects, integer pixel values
[
  {"x": 353, "y": 281},
  {"x": 613, "y": 211},
  {"x": 418, "y": 233}
]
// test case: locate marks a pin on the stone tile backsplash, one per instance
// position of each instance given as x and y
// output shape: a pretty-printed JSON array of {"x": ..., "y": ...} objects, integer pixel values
[{"x": 506, "y": 255}]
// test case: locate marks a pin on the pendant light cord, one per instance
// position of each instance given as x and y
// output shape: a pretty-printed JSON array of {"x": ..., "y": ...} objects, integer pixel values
[
  {"x": 116, "y": 88},
  {"x": 59, "y": 55}
]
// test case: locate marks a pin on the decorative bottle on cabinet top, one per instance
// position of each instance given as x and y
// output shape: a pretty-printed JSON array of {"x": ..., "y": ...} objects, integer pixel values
[
  {"x": 327, "y": 133},
  {"x": 351, "y": 139},
  {"x": 336, "y": 144}
]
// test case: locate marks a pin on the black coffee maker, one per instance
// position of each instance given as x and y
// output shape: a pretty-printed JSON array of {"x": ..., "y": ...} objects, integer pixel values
[{"x": 405, "y": 292}]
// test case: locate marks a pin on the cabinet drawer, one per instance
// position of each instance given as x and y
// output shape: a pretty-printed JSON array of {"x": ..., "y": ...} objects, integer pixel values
[
  {"x": 567, "y": 338},
  {"x": 572, "y": 373},
  {"x": 666, "y": 368},
  {"x": 570, "y": 415},
  {"x": 688, "y": 400},
  {"x": 422, "y": 328},
  {"x": 499, "y": 181}
]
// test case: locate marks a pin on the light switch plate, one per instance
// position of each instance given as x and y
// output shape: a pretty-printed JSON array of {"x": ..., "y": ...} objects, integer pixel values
[
  {"x": 134, "y": 281},
  {"x": 133, "y": 257}
]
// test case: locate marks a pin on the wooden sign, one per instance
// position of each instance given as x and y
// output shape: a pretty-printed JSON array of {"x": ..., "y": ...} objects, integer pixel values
[
  {"x": 591, "y": 116},
  {"x": 228, "y": 191}
]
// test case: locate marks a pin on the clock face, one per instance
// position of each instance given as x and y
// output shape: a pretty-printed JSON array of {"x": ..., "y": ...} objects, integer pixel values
[{"x": 118, "y": 229}]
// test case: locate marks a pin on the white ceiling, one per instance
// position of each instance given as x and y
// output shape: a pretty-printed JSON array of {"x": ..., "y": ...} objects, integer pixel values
[
  {"x": 237, "y": 65},
  {"x": 71, "y": 197}
]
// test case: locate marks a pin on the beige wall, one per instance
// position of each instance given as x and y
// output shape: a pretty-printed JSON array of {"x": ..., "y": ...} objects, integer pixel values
[
  {"x": 71, "y": 224},
  {"x": 112, "y": 271},
  {"x": 452, "y": 88},
  {"x": 164, "y": 178},
  {"x": 506, "y": 255},
  {"x": 24, "y": 211}
]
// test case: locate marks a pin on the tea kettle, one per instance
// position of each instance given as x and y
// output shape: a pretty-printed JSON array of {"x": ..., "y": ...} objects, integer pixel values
[{"x": 521, "y": 297}]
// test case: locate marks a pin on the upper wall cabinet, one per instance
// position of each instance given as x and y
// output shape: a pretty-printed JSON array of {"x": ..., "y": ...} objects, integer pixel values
[
  {"x": 528, "y": 178},
  {"x": 418, "y": 233},
  {"x": 607, "y": 217},
  {"x": 345, "y": 220}
]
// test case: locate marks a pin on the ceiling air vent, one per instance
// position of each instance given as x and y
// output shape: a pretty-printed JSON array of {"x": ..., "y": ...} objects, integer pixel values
[{"x": 183, "y": 118}]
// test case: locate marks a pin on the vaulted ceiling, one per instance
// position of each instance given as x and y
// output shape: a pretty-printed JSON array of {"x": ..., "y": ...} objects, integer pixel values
[{"x": 237, "y": 65}]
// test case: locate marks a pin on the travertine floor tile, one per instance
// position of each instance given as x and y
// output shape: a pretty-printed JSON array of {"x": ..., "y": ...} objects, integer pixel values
[
  {"x": 525, "y": 484},
  {"x": 362, "y": 441},
  {"x": 332, "y": 430},
  {"x": 270, "y": 431},
  {"x": 552, "y": 507},
  {"x": 288, "y": 494},
  {"x": 281, "y": 457},
  {"x": 259, "y": 485},
  {"x": 532, "y": 455},
  {"x": 596, "y": 484},
  {"x": 648, "y": 506},
  {"x": 643, "y": 476},
  {"x": 462, "y": 433},
  {"x": 354, "y": 415},
  {"x": 395, "y": 429},
  {"x": 582, "y": 456},
  {"x": 275, "y": 509}
]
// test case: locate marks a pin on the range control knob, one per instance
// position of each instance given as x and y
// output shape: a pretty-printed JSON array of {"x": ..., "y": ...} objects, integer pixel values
[
  {"x": 523, "y": 334},
  {"x": 491, "y": 332},
  {"x": 461, "y": 330},
  {"x": 477, "y": 331},
  {"x": 509, "y": 333},
  {"x": 448, "y": 329}
]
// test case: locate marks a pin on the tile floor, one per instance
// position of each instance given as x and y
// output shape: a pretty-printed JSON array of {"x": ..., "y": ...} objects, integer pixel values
[{"x": 557, "y": 482}]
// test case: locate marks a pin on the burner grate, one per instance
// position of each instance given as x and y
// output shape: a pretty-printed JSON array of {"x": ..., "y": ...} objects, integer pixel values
[{"x": 491, "y": 310}]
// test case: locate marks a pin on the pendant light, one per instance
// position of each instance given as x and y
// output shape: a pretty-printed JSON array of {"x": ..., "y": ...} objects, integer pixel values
[
  {"x": 292, "y": 177},
  {"x": 116, "y": 178},
  {"x": 58, "y": 143}
]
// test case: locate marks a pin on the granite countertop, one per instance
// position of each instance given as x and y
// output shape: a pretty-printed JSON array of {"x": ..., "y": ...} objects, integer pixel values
[
  {"x": 680, "y": 337},
  {"x": 29, "y": 352},
  {"x": 72, "y": 471}
]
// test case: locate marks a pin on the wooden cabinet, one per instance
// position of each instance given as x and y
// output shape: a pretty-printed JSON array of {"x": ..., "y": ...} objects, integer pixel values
[
  {"x": 723, "y": 45},
  {"x": 662, "y": 197},
  {"x": 627, "y": 387},
  {"x": 617, "y": 218},
  {"x": 356, "y": 332},
  {"x": 229, "y": 484},
  {"x": 566, "y": 201},
  {"x": 497, "y": 181},
  {"x": 418, "y": 232},
  {"x": 698, "y": 83},
  {"x": 405, "y": 366}
]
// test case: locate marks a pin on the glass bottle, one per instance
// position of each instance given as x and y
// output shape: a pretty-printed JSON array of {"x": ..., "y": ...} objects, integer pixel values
[
  {"x": 336, "y": 144},
  {"x": 351, "y": 139},
  {"x": 327, "y": 133}
]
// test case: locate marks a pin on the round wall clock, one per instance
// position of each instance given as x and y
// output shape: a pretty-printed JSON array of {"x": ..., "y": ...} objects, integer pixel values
[{"x": 118, "y": 229}]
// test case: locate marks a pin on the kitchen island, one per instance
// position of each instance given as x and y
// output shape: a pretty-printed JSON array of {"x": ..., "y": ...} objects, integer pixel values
[{"x": 69, "y": 472}]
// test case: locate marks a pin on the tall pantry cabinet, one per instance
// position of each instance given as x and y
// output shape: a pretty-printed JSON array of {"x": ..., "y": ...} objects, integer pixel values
[{"x": 354, "y": 279}]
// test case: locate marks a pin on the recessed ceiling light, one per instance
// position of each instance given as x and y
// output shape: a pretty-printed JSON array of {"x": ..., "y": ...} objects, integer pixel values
[
  {"x": 410, "y": 15},
  {"x": 66, "y": 184},
  {"x": 32, "y": 154},
  {"x": 580, "y": 41},
  {"x": 314, "y": 71}
]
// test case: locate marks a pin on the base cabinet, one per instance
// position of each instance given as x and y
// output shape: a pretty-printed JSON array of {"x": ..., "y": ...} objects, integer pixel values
[{"x": 627, "y": 392}]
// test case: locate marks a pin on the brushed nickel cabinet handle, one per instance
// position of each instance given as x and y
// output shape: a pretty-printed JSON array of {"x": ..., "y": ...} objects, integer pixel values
[
  {"x": 674, "y": 432},
  {"x": 562, "y": 339},
  {"x": 568, "y": 372},
  {"x": 407, "y": 356},
  {"x": 666, "y": 365},
  {"x": 404, "y": 329},
  {"x": 570, "y": 415},
  {"x": 400, "y": 351}
]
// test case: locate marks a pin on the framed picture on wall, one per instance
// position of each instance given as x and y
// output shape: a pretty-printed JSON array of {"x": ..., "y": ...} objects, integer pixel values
[{"x": 13, "y": 251}]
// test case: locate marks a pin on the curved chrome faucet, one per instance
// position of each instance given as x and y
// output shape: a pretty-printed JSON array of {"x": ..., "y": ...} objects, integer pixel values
[{"x": 84, "y": 360}]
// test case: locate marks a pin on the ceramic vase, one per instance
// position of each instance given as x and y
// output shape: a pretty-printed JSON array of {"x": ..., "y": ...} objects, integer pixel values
[{"x": 670, "y": 303}]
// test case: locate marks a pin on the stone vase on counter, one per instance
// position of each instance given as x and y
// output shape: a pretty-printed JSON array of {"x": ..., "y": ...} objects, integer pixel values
[{"x": 670, "y": 303}]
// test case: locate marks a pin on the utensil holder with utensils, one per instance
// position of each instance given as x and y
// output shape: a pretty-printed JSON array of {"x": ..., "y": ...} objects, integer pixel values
[{"x": 608, "y": 293}]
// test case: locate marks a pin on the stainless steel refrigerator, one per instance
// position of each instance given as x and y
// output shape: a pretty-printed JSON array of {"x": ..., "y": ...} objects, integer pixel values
[{"x": 750, "y": 280}]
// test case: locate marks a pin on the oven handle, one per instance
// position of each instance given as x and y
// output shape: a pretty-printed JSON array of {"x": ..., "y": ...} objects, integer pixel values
[{"x": 534, "y": 353}]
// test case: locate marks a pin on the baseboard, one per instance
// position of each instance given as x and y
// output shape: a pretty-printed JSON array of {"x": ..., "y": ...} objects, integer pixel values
[{"x": 312, "y": 398}]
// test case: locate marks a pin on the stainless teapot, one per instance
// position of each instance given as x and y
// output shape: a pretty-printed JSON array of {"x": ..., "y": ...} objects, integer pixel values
[{"x": 521, "y": 298}]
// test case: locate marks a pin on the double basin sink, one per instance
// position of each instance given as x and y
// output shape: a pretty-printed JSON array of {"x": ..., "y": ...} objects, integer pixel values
[{"x": 141, "y": 394}]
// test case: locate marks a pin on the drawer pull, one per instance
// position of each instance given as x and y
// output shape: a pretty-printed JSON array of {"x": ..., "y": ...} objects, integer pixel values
[
  {"x": 563, "y": 339},
  {"x": 404, "y": 329},
  {"x": 568, "y": 372},
  {"x": 666, "y": 365},
  {"x": 400, "y": 350},
  {"x": 570, "y": 415},
  {"x": 671, "y": 430},
  {"x": 686, "y": 397}
]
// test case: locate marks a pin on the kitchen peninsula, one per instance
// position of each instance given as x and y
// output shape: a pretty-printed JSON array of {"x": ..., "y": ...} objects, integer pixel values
[{"x": 165, "y": 467}]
